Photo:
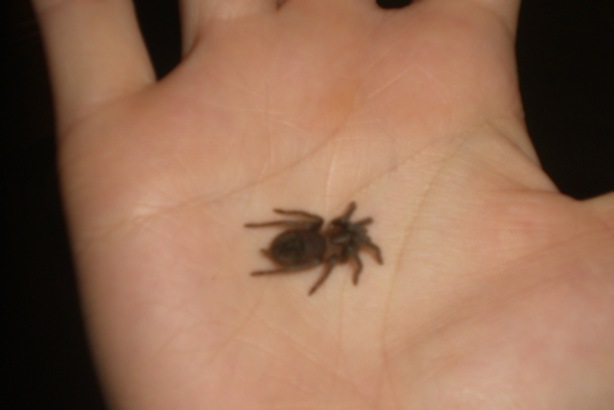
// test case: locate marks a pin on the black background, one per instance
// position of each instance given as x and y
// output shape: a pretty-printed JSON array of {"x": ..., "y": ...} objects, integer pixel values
[{"x": 565, "y": 52}]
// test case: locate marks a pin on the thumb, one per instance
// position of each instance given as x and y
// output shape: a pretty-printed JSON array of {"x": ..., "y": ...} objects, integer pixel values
[{"x": 95, "y": 52}]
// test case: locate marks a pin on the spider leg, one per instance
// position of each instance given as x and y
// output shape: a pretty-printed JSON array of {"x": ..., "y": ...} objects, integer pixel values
[
  {"x": 377, "y": 253},
  {"x": 330, "y": 264},
  {"x": 312, "y": 222},
  {"x": 358, "y": 268},
  {"x": 297, "y": 213},
  {"x": 363, "y": 222},
  {"x": 286, "y": 223},
  {"x": 287, "y": 269},
  {"x": 348, "y": 212}
]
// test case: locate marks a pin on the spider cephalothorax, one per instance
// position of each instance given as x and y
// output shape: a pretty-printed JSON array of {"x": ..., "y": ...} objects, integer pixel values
[{"x": 304, "y": 244}]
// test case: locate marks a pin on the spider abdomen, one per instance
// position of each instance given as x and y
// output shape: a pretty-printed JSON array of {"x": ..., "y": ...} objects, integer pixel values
[{"x": 297, "y": 246}]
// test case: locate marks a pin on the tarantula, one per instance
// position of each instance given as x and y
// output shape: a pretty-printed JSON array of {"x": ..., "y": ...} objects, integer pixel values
[{"x": 304, "y": 244}]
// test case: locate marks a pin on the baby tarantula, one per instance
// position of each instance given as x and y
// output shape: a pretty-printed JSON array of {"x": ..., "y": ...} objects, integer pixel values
[{"x": 304, "y": 244}]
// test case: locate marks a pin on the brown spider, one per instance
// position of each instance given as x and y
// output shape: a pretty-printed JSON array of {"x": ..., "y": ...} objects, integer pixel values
[{"x": 305, "y": 245}]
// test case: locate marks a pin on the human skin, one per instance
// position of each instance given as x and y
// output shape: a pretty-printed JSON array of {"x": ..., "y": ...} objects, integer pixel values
[{"x": 497, "y": 291}]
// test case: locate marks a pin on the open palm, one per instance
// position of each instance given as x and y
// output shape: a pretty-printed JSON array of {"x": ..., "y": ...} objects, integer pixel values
[{"x": 496, "y": 293}]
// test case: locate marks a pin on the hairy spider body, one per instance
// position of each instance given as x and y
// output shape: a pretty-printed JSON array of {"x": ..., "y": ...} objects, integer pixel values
[
  {"x": 297, "y": 247},
  {"x": 304, "y": 244}
]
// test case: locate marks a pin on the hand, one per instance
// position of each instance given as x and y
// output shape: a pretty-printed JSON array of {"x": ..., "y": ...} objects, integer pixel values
[{"x": 497, "y": 292}]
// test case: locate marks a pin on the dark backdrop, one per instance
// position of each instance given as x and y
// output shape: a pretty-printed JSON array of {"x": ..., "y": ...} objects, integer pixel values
[{"x": 565, "y": 51}]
